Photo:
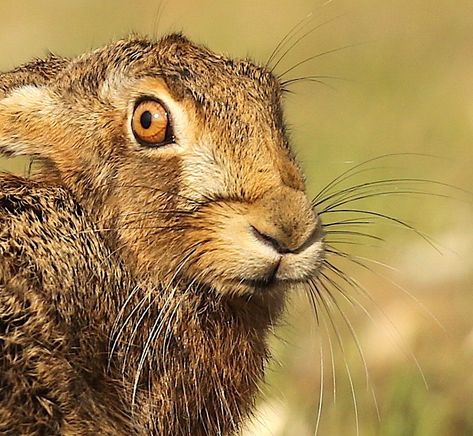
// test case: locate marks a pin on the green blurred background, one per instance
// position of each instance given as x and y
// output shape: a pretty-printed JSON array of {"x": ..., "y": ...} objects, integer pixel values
[{"x": 405, "y": 86}]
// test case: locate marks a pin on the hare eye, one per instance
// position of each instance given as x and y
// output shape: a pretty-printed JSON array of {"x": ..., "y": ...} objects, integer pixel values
[{"x": 151, "y": 125}]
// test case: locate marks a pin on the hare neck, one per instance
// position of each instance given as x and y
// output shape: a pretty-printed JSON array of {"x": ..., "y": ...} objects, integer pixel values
[{"x": 192, "y": 362}]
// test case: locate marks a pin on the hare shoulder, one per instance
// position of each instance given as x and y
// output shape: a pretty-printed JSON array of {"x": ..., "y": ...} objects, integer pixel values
[{"x": 45, "y": 386}]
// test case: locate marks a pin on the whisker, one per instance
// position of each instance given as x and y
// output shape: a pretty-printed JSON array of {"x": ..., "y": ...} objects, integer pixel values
[
  {"x": 321, "y": 392},
  {"x": 292, "y": 32},
  {"x": 313, "y": 302},
  {"x": 355, "y": 233},
  {"x": 159, "y": 322},
  {"x": 348, "y": 242},
  {"x": 130, "y": 340},
  {"x": 354, "y": 259},
  {"x": 358, "y": 260},
  {"x": 349, "y": 175},
  {"x": 347, "y": 368},
  {"x": 312, "y": 286},
  {"x": 115, "y": 324},
  {"x": 341, "y": 177},
  {"x": 352, "y": 301},
  {"x": 376, "y": 404},
  {"x": 312, "y": 79},
  {"x": 298, "y": 40},
  {"x": 318, "y": 55},
  {"x": 346, "y": 319},
  {"x": 348, "y": 222},
  {"x": 128, "y": 318},
  {"x": 355, "y": 404},
  {"x": 388, "y": 218},
  {"x": 285, "y": 85},
  {"x": 385, "y": 182},
  {"x": 421, "y": 306},
  {"x": 332, "y": 358},
  {"x": 371, "y": 194},
  {"x": 364, "y": 292},
  {"x": 157, "y": 20}
]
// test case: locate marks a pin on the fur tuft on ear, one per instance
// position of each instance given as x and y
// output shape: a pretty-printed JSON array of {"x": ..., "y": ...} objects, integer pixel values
[
  {"x": 38, "y": 73},
  {"x": 26, "y": 106}
]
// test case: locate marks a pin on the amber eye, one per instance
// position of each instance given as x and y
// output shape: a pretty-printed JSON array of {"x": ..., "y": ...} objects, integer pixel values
[{"x": 150, "y": 124}]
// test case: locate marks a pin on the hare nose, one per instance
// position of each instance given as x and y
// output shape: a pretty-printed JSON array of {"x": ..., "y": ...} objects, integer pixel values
[
  {"x": 284, "y": 220},
  {"x": 280, "y": 246}
]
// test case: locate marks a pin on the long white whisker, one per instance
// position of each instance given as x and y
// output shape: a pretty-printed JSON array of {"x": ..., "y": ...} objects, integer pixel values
[
  {"x": 348, "y": 323},
  {"x": 342, "y": 348},
  {"x": 321, "y": 393},
  {"x": 400, "y": 342},
  {"x": 115, "y": 325},
  {"x": 155, "y": 330}
]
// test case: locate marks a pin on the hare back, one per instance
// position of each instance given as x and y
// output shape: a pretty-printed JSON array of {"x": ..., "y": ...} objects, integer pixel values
[{"x": 46, "y": 385}]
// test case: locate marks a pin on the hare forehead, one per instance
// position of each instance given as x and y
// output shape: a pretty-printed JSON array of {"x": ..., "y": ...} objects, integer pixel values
[
  {"x": 198, "y": 68},
  {"x": 220, "y": 83},
  {"x": 189, "y": 68},
  {"x": 218, "y": 87}
]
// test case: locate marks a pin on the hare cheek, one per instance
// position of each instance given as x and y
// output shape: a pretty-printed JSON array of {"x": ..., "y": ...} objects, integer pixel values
[{"x": 202, "y": 177}]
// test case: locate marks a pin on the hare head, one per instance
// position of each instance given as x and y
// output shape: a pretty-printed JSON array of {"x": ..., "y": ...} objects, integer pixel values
[{"x": 180, "y": 155}]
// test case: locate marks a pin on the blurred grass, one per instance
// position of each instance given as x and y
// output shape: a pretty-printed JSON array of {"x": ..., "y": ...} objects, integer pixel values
[{"x": 407, "y": 90}]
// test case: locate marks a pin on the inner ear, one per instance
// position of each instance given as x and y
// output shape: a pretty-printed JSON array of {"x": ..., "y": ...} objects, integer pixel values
[
  {"x": 28, "y": 125},
  {"x": 26, "y": 106}
]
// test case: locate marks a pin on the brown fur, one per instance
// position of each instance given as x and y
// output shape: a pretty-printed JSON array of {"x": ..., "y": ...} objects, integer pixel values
[{"x": 136, "y": 296}]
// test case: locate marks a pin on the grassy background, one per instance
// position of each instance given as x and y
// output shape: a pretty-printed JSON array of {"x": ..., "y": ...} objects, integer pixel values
[{"x": 407, "y": 88}]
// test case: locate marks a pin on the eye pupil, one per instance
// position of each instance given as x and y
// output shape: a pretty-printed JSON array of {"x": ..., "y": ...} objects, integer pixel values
[{"x": 146, "y": 119}]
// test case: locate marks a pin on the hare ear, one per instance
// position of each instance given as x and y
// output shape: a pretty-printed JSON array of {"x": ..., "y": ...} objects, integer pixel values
[
  {"x": 24, "y": 119},
  {"x": 27, "y": 107}
]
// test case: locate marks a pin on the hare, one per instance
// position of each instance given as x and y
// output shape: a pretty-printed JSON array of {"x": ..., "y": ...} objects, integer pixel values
[{"x": 144, "y": 265}]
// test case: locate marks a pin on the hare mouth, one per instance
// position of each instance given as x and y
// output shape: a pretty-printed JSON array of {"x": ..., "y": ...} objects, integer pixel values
[
  {"x": 268, "y": 282},
  {"x": 267, "y": 279},
  {"x": 264, "y": 282}
]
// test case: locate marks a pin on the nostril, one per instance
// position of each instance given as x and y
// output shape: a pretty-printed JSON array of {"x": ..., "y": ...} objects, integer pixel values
[{"x": 279, "y": 246}]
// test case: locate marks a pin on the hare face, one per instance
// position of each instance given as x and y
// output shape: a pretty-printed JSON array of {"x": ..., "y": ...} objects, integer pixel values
[
  {"x": 220, "y": 203},
  {"x": 242, "y": 222}
]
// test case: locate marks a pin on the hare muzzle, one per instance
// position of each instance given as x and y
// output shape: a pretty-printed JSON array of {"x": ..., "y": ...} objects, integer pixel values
[
  {"x": 284, "y": 221},
  {"x": 266, "y": 245}
]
